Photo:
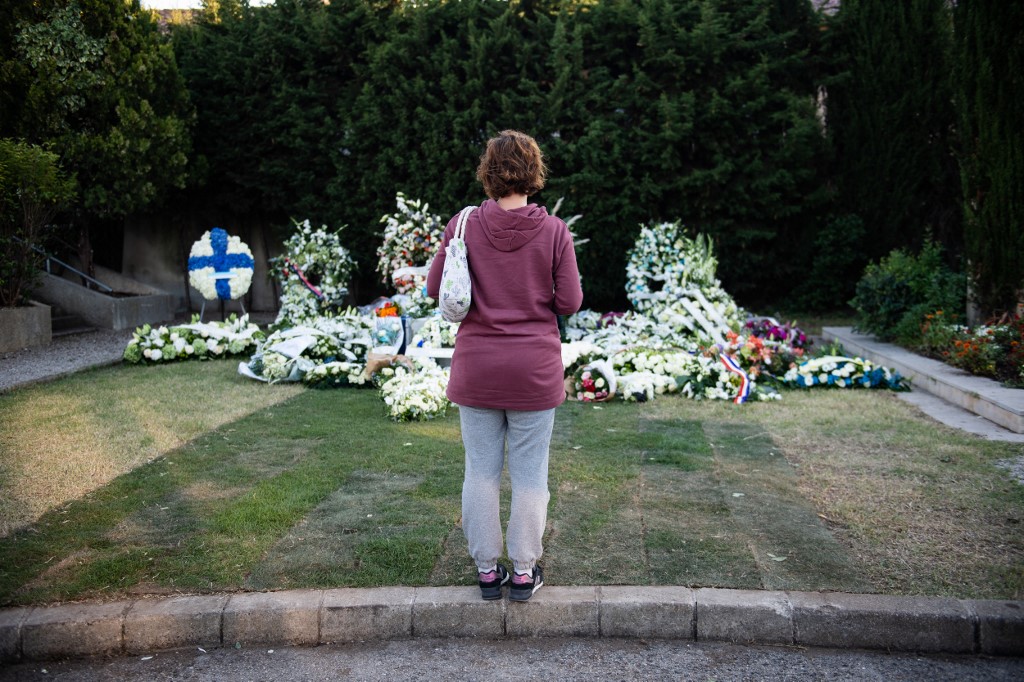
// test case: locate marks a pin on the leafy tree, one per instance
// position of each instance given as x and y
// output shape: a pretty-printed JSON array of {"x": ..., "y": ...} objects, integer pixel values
[
  {"x": 32, "y": 188},
  {"x": 101, "y": 89},
  {"x": 990, "y": 98}
]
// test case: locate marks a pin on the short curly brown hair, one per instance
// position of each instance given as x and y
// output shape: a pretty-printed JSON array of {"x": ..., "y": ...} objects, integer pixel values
[{"x": 512, "y": 164}]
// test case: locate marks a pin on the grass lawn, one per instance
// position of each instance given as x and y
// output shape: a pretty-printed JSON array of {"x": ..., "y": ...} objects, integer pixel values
[{"x": 188, "y": 478}]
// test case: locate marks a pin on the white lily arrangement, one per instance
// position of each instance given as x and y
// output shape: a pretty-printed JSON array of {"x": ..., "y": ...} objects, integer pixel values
[
  {"x": 671, "y": 278},
  {"x": 336, "y": 375},
  {"x": 412, "y": 235}
]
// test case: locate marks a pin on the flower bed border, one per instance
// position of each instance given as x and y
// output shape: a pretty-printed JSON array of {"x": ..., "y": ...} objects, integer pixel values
[{"x": 982, "y": 396}]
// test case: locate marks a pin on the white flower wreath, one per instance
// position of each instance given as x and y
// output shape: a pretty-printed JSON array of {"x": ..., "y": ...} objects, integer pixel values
[
  {"x": 671, "y": 278},
  {"x": 313, "y": 271},
  {"x": 219, "y": 266}
]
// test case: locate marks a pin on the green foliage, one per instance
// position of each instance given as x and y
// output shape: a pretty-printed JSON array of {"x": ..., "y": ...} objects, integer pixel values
[
  {"x": 699, "y": 110},
  {"x": 990, "y": 99},
  {"x": 895, "y": 295},
  {"x": 32, "y": 188},
  {"x": 836, "y": 261},
  {"x": 891, "y": 119},
  {"x": 99, "y": 86}
]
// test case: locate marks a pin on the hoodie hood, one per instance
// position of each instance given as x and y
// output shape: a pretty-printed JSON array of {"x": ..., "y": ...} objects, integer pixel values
[{"x": 510, "y": 230}]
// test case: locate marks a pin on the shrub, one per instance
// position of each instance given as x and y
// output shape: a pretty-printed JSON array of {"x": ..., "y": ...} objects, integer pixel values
[
  {"x": 838, "y": 258},
  {"x": 32, "y": 188},
  {"x": 894, "y": 296}
]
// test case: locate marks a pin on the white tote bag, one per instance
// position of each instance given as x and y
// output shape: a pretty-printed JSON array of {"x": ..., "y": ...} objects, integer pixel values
[{"x": 455, "y": 294}]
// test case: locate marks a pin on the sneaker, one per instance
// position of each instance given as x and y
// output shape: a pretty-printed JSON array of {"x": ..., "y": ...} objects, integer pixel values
[
  {"x": 491, "y": 582},
  {"x": 523, "y": 586}
]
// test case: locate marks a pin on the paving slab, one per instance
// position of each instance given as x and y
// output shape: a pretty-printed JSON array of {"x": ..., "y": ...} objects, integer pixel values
[
  {"x": 291, "y": 617},
  {"x": 744, "y": 616},
  {"x": 355, "y": 615},
  {"x": 156, "y": 624},
  {"x": 648, "y": 612},
  {"x": 73, "y": 630},
  {"x": 1000, "y": 626},
  {"x": 456, "y": 612},
  {"x": 870, "y": 621},
  {"x": 555, "y": 612}
]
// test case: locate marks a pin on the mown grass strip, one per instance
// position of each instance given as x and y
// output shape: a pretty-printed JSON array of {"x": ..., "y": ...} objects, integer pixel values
[{"x": 850, "y": 490}]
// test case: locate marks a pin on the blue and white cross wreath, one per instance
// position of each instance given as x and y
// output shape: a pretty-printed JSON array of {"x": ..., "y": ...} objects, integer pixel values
[{"x": 220, "y": 267}]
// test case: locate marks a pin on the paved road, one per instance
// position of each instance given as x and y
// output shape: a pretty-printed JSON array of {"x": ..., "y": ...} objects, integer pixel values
[{"x": 427, "y": 660}]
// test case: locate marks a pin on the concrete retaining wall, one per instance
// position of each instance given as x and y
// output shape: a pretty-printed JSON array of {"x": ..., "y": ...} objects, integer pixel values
[
  {"x": 133, "y": 305},
  {"x": 25, "y": 327}
]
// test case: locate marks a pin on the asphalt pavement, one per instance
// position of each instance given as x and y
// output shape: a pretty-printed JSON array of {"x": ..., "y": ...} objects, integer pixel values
[{"x": 429, "y": 660}]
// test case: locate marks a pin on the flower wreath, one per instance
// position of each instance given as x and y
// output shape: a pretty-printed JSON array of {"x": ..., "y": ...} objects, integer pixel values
[
  {"x": 411, "y": 238},
  {"x": 314, "y": 271},
  {"x": 219, "y": 266},
  {"x": 662, "y": 261},
  {"x": 672, "y": 278}
]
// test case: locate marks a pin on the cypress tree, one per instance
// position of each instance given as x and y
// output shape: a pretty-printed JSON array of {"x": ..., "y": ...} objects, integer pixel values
[
  {"x": 891, "y": 120},
  {"x": 990, "y": 98}
]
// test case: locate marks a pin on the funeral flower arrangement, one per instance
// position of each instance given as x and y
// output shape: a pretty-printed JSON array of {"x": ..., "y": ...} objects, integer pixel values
[
  {"x": 417, "y": 393},
  {"x": 388, "y": 329},
  {"x": 412, "y": 236},
  {"x": 671, "y": 278},
  {"x": 194, "y": 341},
  {"x": 336, "y": 374},
  {"x": 313, "y": 271},
  {"x": 685, "y": 335},
  {"x": 594, "y": 382},
  {"x": 288, "y": 354},
  {"x": 220, "y": 266},
  {"x": 837, "y": 371},
  {"x": 436, "y": 333}
]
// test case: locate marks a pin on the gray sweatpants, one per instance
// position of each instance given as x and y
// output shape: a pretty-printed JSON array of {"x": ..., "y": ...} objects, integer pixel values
[{"x": 484, "y": 435}]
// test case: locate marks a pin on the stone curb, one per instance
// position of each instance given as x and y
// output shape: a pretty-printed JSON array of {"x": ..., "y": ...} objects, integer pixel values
[{"x": 311, "y": 617}]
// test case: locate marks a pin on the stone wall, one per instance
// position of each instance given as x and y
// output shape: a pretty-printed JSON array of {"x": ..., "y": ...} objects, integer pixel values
[
  {"x": 157, "y": 254},
  {"x": 24, "y": 327}
]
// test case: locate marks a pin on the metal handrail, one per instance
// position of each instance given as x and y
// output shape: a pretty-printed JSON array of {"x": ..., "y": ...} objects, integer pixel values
[{"x": 58, "y": 261}]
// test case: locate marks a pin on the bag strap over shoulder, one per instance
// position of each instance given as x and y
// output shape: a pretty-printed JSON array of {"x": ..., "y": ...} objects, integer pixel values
[{"x": 460, "y": 226}]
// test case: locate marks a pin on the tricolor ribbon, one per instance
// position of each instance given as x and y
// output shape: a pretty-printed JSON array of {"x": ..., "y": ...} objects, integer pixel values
[
  {"x": 302, "y": 277},
  {"x": 735, "y": 368}
]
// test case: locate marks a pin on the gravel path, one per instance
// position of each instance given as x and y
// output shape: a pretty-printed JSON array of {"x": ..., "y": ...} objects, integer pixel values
[{"x": 65, "y": 355}]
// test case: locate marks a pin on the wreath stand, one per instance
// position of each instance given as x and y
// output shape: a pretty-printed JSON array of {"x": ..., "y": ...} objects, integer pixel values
[{"x": 241, "y": 302}]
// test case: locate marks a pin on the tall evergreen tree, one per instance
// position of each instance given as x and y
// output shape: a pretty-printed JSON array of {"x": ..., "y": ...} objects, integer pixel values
[
  {"x": 990, "y": 97},
  {"x": 891, "y": 120}
]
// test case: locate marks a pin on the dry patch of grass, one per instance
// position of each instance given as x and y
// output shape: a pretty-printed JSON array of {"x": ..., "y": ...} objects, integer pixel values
[
  {"x": 61, "y": 440},
  {"x": 921, "y": 508}
]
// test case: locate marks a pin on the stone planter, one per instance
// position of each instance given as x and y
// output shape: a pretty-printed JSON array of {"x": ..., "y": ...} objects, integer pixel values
[{"x": 24, "y": 327}]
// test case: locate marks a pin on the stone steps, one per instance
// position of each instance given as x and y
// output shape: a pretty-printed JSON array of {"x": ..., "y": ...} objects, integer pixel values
[{"x": 984, "y": 397}]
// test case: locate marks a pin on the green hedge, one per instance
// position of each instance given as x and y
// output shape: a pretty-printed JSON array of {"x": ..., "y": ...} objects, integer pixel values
[{"x": 698, "y": 110}]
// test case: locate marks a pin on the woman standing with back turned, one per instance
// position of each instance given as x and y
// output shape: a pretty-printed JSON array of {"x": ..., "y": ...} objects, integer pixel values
[{"x": 506, "y": 373}]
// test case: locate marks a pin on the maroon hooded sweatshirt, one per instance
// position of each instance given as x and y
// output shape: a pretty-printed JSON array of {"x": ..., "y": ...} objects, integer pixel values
[{"x": 523, "y": 268}]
